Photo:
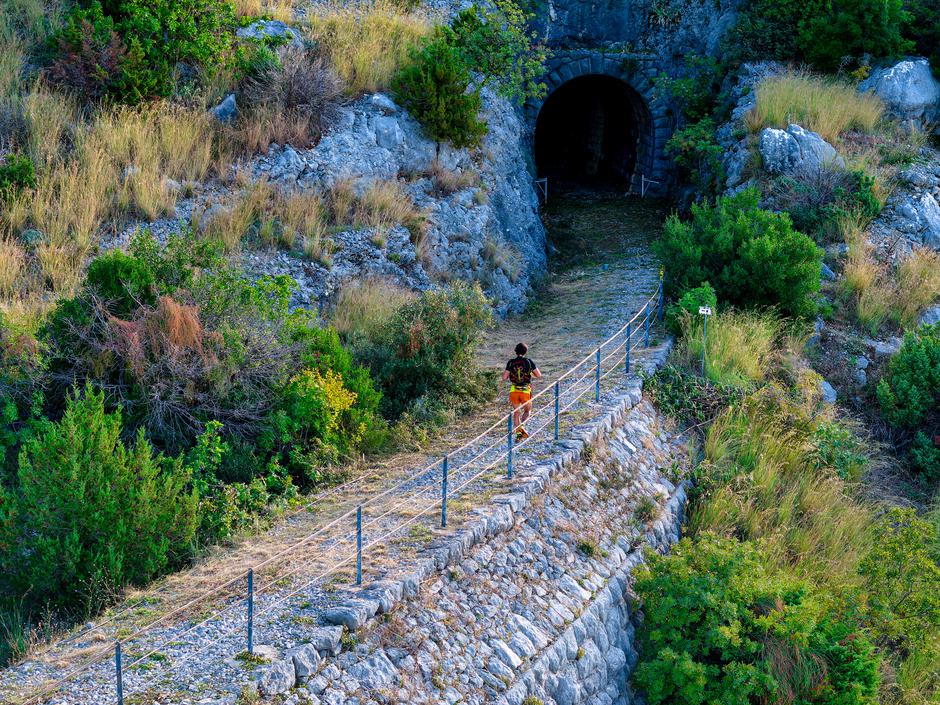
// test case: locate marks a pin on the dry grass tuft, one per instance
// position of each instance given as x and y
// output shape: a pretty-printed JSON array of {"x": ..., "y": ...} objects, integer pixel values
[
  {"x": 367, "y": 42},
  {"x": 741, "y": 346},
  {"x": 362, "y": 308},
  {"x": 881, "y": 292},
  {"x": 303, "y": 219},
  {"x": 12, "y": 262},
  {"x": 818, "y": 104},
  {"x": 449, "y": 181},
  {"x": 385, "y": 204},
  {"x": 282, "y": 10},
  {"x": 233, "y": 222}
]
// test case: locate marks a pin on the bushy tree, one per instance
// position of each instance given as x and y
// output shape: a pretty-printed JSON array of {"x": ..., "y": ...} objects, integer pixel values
[
  {"x": 720, "y": 628},
  {"x": 750, "y": 256},
  {"x": 845, "y": 30},
  {"x": 89, "y": 514},
  {"x": 435, "y": 87},
  {"x": 495, "y": 42}
]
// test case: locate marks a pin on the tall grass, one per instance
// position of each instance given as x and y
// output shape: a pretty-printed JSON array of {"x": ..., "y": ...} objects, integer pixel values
[
  {"x": 771, "y": 490},
  {"x": 363, "y": 307},
  {"x": 282, "y": 10},
  {"x": 822, "y": 105},
  {"x": 881, "y": 292},
  {"x": 367, "y": 42},
  {"x": 12, "y": 262},
  {"x": 740, "y": 346}
]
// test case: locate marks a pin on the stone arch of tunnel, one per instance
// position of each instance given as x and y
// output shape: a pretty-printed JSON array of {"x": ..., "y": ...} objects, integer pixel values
[{"x": 600, "y": 125}]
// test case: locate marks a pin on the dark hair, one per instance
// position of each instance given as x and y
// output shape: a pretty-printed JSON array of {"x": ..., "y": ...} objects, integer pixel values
[{"x": 522, "y": 349}]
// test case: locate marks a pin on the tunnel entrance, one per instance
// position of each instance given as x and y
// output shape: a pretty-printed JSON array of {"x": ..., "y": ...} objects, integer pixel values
[{"x": 592, "y": 132}]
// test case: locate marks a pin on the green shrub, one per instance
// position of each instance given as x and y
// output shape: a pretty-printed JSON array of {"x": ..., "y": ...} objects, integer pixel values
[
  {"x": 922, "y": 28},
  {"x": 16, "y": 173},
  {"x": 129, "y": 50},
  {"x": 818, "y": 202},
  {"x": 435, "y": 88},
  {"x": 696, "y": 152},
  {"x": 851, "y": 29},
  {"x": 125, "y": 282},
  {"x": 903, "y": 580},
  {"x": 427, "y": 349},
  {"x": 720, "y": 628},
  {"x": 909, "y": 394},
  {"x": 688, "y": 306},
  {"x": 752, "y": 257},
  {"x": 688, "y": 397},
  {"x": 89, "y": 515},
  {"x": 830, "y": 35},
  {"x": 910, "y": 390}
]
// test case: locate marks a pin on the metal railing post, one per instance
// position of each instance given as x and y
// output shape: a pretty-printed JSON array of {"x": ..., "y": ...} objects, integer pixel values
[
  {"x": 509, "y": 430},
  {"x": 646, "y": 343},
  {"x": 557, "y": 384},
  {"x": 629, "y": 343},
  {"x": 659, "y": 313},
  {"x": 251, "y": 610},
  {"x": 119, "y": 678},
  {"x": 444, "y": 494},
  {"x": 597, "y": 376},
  {"x": 359, "y": 545}
]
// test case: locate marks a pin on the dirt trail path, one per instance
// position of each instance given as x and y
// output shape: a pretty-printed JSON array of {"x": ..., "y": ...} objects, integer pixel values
[{"x": 602, "y": 272}]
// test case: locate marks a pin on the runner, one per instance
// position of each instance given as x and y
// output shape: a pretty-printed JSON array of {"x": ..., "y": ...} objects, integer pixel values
[{"x": 519, "y": 372}]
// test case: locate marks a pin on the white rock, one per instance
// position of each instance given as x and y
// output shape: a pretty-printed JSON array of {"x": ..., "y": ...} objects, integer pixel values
[
  {"x": 909, "y": 90},
  {"x": 796, "y": 150}
]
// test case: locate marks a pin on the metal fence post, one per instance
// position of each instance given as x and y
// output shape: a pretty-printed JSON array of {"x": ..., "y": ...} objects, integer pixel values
[
  {"x": 646, "y": 343},
  {"x": 251, "y": 610},
  {"x": 119, "y": 679},
  {"x": 556, "y": 408},
  {"x": 661, "y": 297},
  {"x": 509, "y": 446},
  {"x": 704, "y": 341},
  {"x": 597, "y": 376},
  {"x": 626, "y": 363},
  {"x": 359, "y": 545},
  {"x": 444, "y": 494}
]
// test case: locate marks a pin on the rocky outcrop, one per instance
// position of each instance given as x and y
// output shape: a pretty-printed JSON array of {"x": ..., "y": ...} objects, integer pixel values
[
  {"x": 796, "y": 150},
  {"x": 911, "y": 217},
  {"x": 488, "y": 230},
  {"x": 909, "y": 91}
]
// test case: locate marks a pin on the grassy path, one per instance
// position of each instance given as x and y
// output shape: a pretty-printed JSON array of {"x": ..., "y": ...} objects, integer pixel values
[{"x": 601, "y": 274}]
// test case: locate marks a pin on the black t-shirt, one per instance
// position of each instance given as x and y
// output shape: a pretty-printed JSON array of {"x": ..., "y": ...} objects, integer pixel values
[{"x": 520, "y": 371}]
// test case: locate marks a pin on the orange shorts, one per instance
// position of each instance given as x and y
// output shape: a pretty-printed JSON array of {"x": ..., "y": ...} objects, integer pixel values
[{"x": 517, "y": 398}]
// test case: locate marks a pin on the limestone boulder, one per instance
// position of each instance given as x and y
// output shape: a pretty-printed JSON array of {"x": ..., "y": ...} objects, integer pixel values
[
  {"x": 909, "y": 91},
  {"x": 796, "y": 150}
]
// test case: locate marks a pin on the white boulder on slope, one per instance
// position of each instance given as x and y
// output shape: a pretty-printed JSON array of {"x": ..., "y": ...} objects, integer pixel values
[
  {"x": 909, "y": 91},
  {"x": 796, "y": 150}
]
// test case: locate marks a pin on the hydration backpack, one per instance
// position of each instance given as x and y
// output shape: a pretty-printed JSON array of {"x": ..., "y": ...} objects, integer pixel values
[{"x": 520, "y": 372}]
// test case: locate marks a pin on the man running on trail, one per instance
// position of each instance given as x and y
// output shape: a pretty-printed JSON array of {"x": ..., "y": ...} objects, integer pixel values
[{"x": 520, "y": 371}]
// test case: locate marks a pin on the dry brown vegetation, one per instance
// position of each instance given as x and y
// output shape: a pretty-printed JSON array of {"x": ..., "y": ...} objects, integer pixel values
[{"x": 367, "y": 42}]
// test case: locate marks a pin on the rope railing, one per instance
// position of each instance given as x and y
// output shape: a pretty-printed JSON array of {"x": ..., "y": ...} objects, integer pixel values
[{"x": 430, "y": 493}]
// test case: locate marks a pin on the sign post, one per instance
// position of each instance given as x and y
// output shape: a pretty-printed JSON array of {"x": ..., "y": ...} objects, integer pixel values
[{"x": 705, "y": 312}]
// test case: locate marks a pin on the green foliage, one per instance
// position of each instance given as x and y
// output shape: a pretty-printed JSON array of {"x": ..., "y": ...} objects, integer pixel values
[
  {"x": 831, "y": 34},
  {"x": 687, "y": 396},
  {"x": 751, "y": 257},
  {"x": 910, "y": 390},
  {"x": 695, "y": 90},
  {"x": 818, "y": 202},
  {"x": 696, "y": 152},
  {"x": 125, "y": 282},
  {"x": 922, "y": 28},
  {"x": 688, "y": 306},
  {"x": 144, "y": 43},
  {"x": 435, "y": 88},
  {"x": 909, "y": 394},
  {"x": 427, "y": 348},
  {"x": 495, "y": 41},
  {"x": 720, "y": 628},
  {"x": 16, "y": 173},
  {"x": 837, "y": 447},
  {"x": 902, "y": 580},
  {"x": 89, "y": 515},
  {"x": 845, "y": 30}
]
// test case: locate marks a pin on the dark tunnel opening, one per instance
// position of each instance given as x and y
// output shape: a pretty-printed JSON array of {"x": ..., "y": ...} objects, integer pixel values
[{"x": 590, "y": 133}]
